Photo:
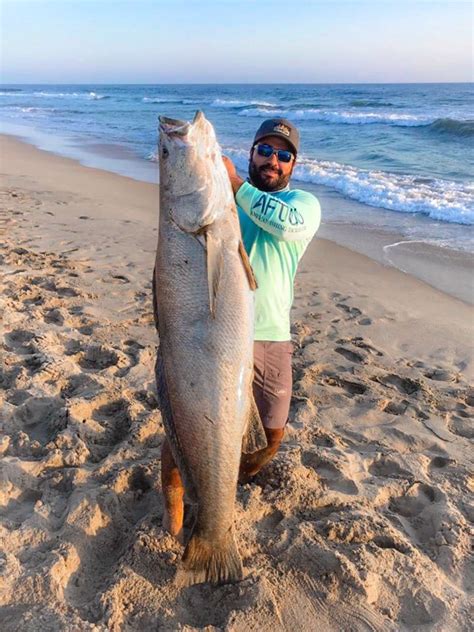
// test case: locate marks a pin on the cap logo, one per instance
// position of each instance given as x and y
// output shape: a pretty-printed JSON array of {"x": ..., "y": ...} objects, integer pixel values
[{"x": 283, "y": 129}]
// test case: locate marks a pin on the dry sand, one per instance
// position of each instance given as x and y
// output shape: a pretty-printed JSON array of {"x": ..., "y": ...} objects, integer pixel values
[{"x": 360, "y": 523}]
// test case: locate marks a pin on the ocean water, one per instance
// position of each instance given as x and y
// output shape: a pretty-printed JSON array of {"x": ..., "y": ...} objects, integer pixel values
[{"x": 402, "y": 153}]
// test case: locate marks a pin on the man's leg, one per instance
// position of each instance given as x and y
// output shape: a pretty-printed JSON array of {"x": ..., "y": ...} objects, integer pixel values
[
  {"x": 173, "y": 492},
  {"x": 272, "y": 388}
]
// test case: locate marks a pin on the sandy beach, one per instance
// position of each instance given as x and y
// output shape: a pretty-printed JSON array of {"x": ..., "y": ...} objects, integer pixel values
[{"x": 361, "y": 522}]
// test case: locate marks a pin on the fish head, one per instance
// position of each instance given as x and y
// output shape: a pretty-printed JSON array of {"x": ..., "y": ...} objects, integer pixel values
[{"x": 192, "y": 174}]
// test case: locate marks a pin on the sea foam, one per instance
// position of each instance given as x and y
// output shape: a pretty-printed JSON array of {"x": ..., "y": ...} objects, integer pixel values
[
  {"x": 444, "y": 200},
  {"x": 346, "y": 117}
]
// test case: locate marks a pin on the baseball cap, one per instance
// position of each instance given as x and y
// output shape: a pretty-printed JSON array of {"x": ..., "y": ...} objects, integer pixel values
[{"x": 279, "y": 127}]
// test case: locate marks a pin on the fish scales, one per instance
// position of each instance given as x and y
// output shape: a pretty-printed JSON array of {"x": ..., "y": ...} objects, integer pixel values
[{"x": 205, "y": 319}]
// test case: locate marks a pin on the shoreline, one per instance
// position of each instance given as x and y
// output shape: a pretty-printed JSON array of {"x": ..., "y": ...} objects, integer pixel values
[{"x": 445, "y": 269}]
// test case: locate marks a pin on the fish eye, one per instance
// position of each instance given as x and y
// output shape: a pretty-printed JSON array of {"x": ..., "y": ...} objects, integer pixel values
[{"x": 164, "y": 152}]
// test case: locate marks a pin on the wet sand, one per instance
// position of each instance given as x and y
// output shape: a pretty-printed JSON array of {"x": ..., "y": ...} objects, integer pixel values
[{"x": 361, "y": 522}]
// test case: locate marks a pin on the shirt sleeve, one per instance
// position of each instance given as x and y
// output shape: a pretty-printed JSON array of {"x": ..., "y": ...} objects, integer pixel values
[{"x": 294, "y": 219}]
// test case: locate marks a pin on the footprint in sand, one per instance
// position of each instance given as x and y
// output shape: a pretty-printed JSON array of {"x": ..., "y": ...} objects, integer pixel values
[
  {"x": 8, "y": 377},
  {"x": 98, "y": 358},
  {"x": 461, "y": 424},
  {"x": 361, "y": 343},
  {"x": 20, "y": 340},
  {"x": 351, "y": 387},
  {"x": 132, "y": 350},
  {"x": 116, "y": 279},
  {"x": 390, "y": 542},
  {"x": 469, "y": 398},
  {"x": 352, "y": 356},
  {"x": 387, "y": 467},
  {"x": 54, "y": 316},
  {"x": 41, "y": 418},
  {"x": 352, "y": 312},
  {"x": 80, "y": 385},
  {"x": 329, "y": 473},
  {"x": 65, "y": 291},
  {"x": 113, "y": 425},
  {"x": 462, "y": 411},
  {"x": 440, "y": 462},
  {"x": 17, "y": 396},
  {"x": 49, "y": 284},
  {"x": 418, "y": 497},
  {"x": 75, "y": 310},
  {"x": 21, "y": 504},
  {"x": 441, "y": 375},
  {"x": 404, "y": 385},
  {"x": 86, "y": 330},
  {"x": 147, "y": 398},
  {"x": 393, "y": 407},
  {"x": 72, "y": 347},
  {"x": 324, "y": 439}
]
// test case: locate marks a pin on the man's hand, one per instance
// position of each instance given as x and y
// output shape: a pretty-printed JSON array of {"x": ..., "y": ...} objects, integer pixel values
[{"x": 235, "y": 180}]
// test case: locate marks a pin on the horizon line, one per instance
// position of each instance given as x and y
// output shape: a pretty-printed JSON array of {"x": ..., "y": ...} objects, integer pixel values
[{"x": 239, "y": 83}]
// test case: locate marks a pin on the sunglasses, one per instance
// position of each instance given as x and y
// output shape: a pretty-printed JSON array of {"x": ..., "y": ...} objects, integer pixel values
[{"x": 266, "y": 151}]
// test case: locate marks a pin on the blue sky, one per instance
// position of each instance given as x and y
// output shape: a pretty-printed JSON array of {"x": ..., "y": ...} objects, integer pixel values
[{"x": 159, "y": 41}]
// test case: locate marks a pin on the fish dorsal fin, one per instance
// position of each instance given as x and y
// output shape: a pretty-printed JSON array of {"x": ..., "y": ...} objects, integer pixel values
[
  {"x": 215, "y": 260},
  {"x": 254, "y": 438},
  {"x": 247, "y": 267}
]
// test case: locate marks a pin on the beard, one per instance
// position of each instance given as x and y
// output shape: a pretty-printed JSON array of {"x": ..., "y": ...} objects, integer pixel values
[{"x": 267, "y": 178}]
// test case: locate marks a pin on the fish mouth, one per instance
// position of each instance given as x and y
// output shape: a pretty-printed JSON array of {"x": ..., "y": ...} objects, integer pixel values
[
  {"x": 176, "y": 127},
  {"x": 173, "y": 127}
]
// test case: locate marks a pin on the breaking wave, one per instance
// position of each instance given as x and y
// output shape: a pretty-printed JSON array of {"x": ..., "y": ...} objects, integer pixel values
[
  {"x": 366, "y": 103},
  {"x": 215, "y": 103},
  {"x": 234, "y": 103},
  {"x": 453, "y": 127},
  {"x": 82, "y": 95},
  {"x": 345, "y": 117},
  {"x": 443, "y": 200}
]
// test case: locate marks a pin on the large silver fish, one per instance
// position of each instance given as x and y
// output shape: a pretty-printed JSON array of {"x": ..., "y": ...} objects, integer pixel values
[{"x": 204, "y": 309}]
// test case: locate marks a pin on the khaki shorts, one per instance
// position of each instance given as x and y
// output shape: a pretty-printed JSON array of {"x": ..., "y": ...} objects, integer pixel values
[{"x": 272, "y": 382}]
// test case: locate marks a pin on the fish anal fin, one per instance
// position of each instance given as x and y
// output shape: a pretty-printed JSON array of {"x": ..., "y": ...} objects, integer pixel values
[
  {"x": 247, "y": 267},
  {"x": 215, "y": 260},
  {"x": 254, "y": 438}
]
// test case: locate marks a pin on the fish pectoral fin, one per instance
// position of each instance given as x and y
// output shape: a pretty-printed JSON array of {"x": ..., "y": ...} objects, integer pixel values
[
  {"x": 247, "y": 267},
  {"x": 254, "y": 438},
  {"x": 215, "y": 261}
]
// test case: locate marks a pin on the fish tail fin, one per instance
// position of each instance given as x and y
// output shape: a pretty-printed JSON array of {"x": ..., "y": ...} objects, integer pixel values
[{"x": 205, "y": 561}]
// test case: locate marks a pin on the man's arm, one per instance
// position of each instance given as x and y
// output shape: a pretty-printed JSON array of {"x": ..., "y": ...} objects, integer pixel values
[
  {"x": 299, "y": 219},
  {"x": 235, "y": 180}
]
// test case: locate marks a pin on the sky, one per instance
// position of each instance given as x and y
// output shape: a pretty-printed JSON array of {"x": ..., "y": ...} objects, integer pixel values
[{"x": 230, "y": 41}]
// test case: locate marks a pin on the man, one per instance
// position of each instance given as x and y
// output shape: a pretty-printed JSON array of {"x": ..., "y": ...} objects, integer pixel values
[{"x": 277, "y": 225}]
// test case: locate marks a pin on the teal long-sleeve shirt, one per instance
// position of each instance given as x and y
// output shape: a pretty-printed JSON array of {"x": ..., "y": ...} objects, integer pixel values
[{"x": 276, "y": 230}]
